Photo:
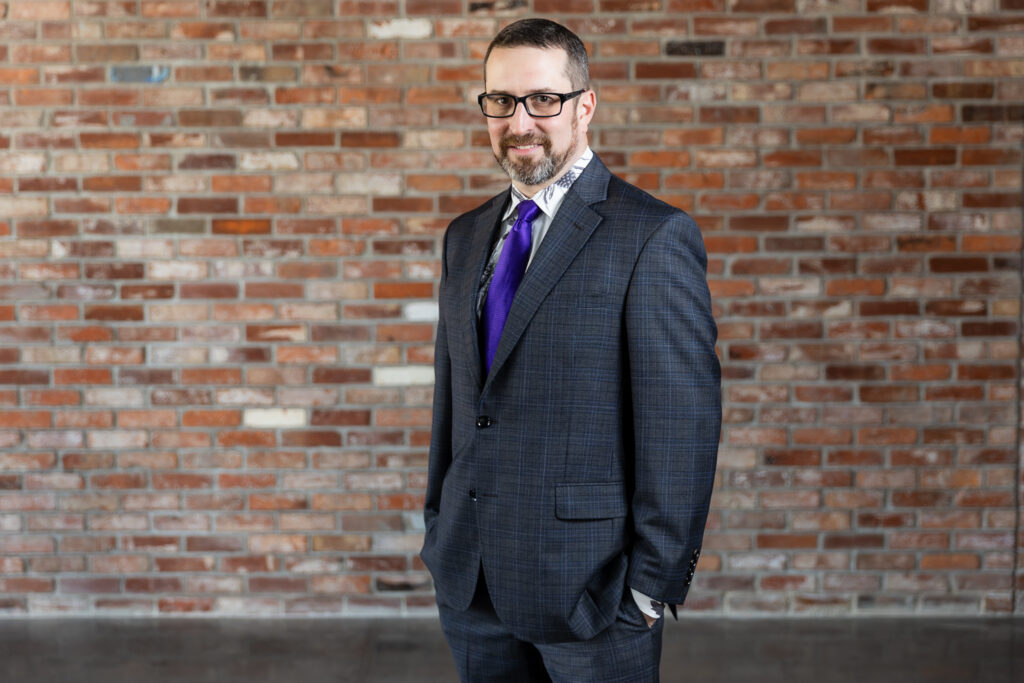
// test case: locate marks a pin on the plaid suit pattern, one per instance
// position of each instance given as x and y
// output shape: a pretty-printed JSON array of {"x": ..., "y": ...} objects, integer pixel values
[{"x": 584, "y": 461}]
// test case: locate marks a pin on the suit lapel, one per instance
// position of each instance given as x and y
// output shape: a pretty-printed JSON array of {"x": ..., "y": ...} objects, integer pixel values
[
  {"x": 484, "y": 227},
  {"x": 573, "y": 225}
]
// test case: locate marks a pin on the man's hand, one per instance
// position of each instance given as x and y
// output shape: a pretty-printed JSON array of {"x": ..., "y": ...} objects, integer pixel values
[{"x": 646, "y": 604}]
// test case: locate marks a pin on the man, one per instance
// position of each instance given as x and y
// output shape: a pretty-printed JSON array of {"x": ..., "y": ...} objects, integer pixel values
[{"x": 576, "y": 405}]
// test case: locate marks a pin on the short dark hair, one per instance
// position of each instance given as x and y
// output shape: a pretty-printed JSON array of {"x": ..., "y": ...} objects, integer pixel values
[{"x": 546, "y": 34}]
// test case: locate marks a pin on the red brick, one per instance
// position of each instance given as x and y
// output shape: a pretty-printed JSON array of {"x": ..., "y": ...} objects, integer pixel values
[
  {"x": 901, "y": 394},
  {"x": 665, "y": 70},
  {"x": 109, "y": 140},
  {"x": 210, "y": 117},
  {"x": 241, "y": 227},
  {"x": 991, "y": 200},
  {"x": 112, "y": 184},
  {"x": 855, "y": 178},
  {"x": 410, "y": 290},
  {"x": 888, "y": 46},
  {"x": 1002, "y": 23},
  {"x": 204, "y": 205},
  {"x": 82, "y": 376},
  {"x": 790, "y": 330},
  {"x": 924, "y": 157},
  {"x": 958, "y": 264},
  {"x": 51, "y": 185}
]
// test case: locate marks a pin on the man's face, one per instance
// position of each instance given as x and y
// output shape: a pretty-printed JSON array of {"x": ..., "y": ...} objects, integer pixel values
[{"x": 536, "y": 151}]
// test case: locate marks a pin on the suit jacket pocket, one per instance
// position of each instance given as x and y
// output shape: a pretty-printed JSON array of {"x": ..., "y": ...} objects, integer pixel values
[
  {"x": 602, "y": 500},
  {"x": 428, "y": 542}
]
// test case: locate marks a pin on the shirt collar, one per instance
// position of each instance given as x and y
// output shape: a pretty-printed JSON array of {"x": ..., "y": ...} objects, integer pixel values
[{"x": 550, "y": 198}]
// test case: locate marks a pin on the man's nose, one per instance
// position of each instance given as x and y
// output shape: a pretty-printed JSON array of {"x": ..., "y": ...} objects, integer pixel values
[{"x": 521, "y": 122}]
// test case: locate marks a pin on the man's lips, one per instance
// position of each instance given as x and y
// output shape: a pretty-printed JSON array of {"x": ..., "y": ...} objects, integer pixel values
[
  {"x": 523, "y": 146},
  {"x": 523, "y": 149}
]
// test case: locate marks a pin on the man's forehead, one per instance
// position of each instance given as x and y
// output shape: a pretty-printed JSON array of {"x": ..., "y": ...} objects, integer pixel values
[
  {"x": 538, "y": 68},
  {"x": 525, "y": 60}
]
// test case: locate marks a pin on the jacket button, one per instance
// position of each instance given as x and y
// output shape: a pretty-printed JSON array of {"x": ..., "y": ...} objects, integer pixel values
[
  {"x": 483, "y": 422},
  {"x": 472, "y": 494}
]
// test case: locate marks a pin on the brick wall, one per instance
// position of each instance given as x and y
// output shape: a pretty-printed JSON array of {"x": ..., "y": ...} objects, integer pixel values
[{"x": 219, "y": 239}]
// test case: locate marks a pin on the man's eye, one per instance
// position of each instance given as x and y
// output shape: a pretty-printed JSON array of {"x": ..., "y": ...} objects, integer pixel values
[
  {"x": 542, "y": 99},
  {"x": 501, "y": 100}
]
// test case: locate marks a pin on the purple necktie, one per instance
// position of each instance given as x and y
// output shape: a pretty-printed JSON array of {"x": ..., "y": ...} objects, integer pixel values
[{"x": 507, "y": 276}]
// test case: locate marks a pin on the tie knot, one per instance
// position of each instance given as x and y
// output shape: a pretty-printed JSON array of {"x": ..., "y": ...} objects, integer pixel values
[{"x": 528, "y": 210}]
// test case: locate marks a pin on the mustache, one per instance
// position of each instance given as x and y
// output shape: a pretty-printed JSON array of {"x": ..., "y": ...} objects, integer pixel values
[{"x": 523, "y": 140}]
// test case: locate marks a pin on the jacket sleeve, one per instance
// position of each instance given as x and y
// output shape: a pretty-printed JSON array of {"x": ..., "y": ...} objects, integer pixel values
[
  {"x": 675, "y": 385},
  {"x": 441, "y": 425}
]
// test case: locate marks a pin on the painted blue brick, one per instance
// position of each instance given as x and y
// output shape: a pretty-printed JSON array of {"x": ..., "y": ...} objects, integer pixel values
[{"x": 139, "y": 74}]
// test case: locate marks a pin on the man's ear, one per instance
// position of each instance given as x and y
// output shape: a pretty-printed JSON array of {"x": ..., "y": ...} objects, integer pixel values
[{"x": 585, "y": 107}]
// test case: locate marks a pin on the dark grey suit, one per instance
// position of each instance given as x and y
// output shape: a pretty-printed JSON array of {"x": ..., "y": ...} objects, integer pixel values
[{"x": 584, "y": 461}]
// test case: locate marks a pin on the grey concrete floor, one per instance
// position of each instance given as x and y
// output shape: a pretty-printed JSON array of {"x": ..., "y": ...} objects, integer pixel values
[{"x": 701, "y": 650}]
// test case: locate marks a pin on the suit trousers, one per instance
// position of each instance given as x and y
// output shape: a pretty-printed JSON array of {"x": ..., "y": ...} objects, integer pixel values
[{"x": 485, "y": 651}]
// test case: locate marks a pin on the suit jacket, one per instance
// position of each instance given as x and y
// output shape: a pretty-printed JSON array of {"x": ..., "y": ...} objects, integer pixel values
[{"x": 584, "y": 461}]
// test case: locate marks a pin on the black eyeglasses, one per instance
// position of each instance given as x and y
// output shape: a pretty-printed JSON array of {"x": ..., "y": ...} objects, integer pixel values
[{"x": 539, "y": 105}]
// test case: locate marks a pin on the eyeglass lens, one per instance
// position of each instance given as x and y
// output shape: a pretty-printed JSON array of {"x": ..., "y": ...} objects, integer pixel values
[{"x": 539, "y": 104}]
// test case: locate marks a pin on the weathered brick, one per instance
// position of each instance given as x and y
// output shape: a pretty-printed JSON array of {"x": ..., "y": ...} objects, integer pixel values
[
  {"x": 855, "y": 174},
  {"x": 107, "y": 53}
]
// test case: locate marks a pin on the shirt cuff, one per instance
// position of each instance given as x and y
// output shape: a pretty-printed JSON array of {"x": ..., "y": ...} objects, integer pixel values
[{"x": 647, "y": 604}]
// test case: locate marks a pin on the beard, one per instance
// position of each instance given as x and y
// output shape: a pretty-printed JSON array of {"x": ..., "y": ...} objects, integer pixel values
[{"x": 528, "y": 171}]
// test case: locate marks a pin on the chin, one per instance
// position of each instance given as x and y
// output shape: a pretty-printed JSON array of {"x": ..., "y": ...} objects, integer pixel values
[{"x": 534, "y": 174}]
